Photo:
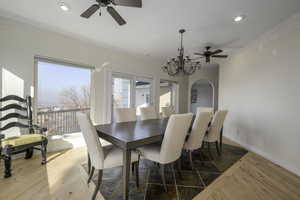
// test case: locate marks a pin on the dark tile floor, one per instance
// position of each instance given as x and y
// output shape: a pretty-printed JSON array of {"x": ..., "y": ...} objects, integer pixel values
[{"x": 184, "y": 185}]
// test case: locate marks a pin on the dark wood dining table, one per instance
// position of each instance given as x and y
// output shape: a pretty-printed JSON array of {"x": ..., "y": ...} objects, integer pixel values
[{"x": 129, "y": 136}]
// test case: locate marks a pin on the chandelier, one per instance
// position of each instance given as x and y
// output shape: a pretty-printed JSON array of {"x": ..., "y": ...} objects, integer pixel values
[{"x": 182, "y": 63}]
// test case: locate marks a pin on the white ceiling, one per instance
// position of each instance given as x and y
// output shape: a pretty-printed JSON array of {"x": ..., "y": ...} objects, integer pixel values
[{"x": 153, "y": 29}]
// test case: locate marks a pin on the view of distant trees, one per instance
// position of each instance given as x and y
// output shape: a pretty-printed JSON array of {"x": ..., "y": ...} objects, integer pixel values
[{"x": 75, "y": 97}]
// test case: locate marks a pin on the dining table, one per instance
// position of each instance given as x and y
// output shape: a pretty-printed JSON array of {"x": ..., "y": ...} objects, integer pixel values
[{"x": 129, "y": 136}]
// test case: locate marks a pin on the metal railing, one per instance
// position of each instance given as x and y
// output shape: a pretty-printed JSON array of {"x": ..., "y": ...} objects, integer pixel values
[{"x": 60, "y": 122}]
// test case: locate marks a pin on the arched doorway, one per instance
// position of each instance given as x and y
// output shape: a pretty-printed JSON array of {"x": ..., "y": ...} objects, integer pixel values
[{"x": 202, "y": 95}]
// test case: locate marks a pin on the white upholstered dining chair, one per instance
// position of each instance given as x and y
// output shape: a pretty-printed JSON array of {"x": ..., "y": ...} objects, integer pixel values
[
  {"x": 148, "y": 113},
  {"x": 101, "y": 158},
  {"x": 167, "y": 111},
  {"x": 214, "y": 131},
  {"x": 197, "y": 133},
  {"x": 125, "y": 115},
  {"x": 206, "y": 109},
  {"x": 171, "y": 148}
]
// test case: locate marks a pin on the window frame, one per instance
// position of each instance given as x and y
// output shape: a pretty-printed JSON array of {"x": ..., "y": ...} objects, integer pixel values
[
  {"x": 174, "y": 94},
  {"x": 34, "y": 90}
]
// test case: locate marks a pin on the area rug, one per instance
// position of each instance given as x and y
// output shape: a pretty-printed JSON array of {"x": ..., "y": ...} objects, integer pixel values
[{"x": 183, "y": 187}]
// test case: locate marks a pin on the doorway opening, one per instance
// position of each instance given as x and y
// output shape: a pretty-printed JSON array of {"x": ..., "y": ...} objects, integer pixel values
[
  {"x": 202, "y": 95},
  {"x": 168, "y": 94},
  {"x": 130, "y": 91}
]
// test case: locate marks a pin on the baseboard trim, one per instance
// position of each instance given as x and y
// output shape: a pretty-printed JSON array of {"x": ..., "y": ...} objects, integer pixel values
[{"x": 291, "y": 169}]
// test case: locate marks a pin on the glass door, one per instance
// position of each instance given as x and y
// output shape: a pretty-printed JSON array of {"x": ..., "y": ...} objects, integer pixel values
[
  {"x": 143, "y": 93},
  {"x": 121, "y": 93},
  {"x": 129, "y": 91},
  {"x": 168, "y": 94}
]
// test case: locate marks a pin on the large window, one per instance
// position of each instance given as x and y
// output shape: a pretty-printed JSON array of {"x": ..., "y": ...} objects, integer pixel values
[
  {"x": 167, "y": 94},
  {"x": 121, "y": 93},
  {"x": 62, "y": 90},
  {"x": 129, "y": 91},
  {"x": 143, "y": 93}
]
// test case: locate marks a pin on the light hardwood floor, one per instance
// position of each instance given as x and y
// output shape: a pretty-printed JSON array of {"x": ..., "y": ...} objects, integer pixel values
[
  {"x": 251, "y": 178},
  {"x": 60, "y": 179}
]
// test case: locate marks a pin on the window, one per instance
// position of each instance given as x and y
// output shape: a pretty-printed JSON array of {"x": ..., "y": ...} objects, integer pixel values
[
  {"x": 148, "y": 98},
  {"x": 62, "y": 90},
  {"x": 167, "y": 94},
  {"x": 121, "y": 93},
  {"x": 143, "y": 93}
]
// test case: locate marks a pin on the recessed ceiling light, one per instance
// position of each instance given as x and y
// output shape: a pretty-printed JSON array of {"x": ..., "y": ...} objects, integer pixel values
[
  {"x": 64, "y": 6},
  {"x": 239, "y": 18}
]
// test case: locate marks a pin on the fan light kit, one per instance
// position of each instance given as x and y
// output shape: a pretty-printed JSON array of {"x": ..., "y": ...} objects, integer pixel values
[
  {"x": 207, "y": 54},
  {"x": 239, "y": 18},
  {"x": 64, "y": 6},
  {"x": 108, "y": 4}
]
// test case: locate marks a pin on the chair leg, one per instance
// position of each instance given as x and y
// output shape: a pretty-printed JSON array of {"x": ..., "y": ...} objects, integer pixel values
[
  {"x": 100, "y": 173},
  {"x": 179, "y": 167},
  {"x": 136, "y": 168},
  {"x": 209, "y": 151},
  {"x": 29, "y": 153},
  {"x": 7, "y": 165},
  {"x": 91, "y": 175},
  {"x": 44, "y": 153},
  {"x": 132, "y": 168},
  {"x": 221, "y": 141},
  {"x": 89, "y": 163},
  {"x": 191, "y": 159},
  {"x": 179, "y": 162},
  {"x": 217, "y": 147},
  {"x": 201, "y": 157},
  {"x": 162, "y": 173}
]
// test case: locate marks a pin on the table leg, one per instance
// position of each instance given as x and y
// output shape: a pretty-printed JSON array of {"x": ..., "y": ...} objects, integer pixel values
[
  {"x": 126, "y": 172},
  {"x": 221, "y": 140}
]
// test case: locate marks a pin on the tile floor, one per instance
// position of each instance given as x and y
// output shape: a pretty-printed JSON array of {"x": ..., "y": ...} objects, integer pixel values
[{"x": 184, "y": 187}]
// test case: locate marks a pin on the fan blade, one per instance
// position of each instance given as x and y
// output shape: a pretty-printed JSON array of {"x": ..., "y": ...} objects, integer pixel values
[
  {"x": 220, "y": 56},
  {"x": 116, "y": 15},
  {"x": 129, "y": 3},
  {"x": 90, "y": 11},
  {"x": 199, "y": 54},
  {"x": 216, "y": 52}
]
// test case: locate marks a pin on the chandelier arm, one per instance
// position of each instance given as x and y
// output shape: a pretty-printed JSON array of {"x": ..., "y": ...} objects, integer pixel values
[{"x": 181, "y": 64}]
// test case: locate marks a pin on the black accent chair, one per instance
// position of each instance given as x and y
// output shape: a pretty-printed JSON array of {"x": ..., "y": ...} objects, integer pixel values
[{"x": 33, "y": 138}]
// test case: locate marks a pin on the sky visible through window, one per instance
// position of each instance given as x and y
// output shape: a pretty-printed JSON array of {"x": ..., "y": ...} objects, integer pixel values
[{"x": 55, "y": 79}]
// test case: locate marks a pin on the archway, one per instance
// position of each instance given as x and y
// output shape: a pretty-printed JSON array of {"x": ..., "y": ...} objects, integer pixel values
[{"x": 202, "y": 95}]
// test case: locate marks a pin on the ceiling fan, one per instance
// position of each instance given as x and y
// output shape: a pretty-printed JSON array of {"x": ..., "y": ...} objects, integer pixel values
[
  {"x": 108, "y": 4},
  {"x": 207, "y": 54}
]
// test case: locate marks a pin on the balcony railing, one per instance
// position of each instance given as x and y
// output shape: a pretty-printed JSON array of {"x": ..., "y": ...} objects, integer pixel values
[{"x": 60, "y": 122}]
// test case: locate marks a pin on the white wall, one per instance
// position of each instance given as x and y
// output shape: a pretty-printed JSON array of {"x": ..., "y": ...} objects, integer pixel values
[
  {"x": 260, "y": 88},
  {"x": 19, "y": 43}
]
